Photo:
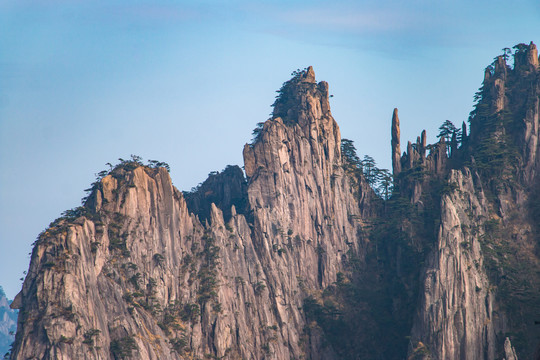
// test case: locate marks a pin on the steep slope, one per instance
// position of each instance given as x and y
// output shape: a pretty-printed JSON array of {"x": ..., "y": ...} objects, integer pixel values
[
  {"x": 135, "y": 273},
  {"x": 481, "y": 282},
  {"x": 455, "y": 314},
  {"x": 452, "y": 266},
  {"x": 300, "y": 259}
]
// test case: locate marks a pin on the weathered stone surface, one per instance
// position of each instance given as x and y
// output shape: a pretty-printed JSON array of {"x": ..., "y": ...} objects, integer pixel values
[
  {"x": 139, "y": 265},
  {"x": 396, "y": 150},
  {"x": 509, "y": 350},
  {"x": 223, "y": 272},
  {"x": 225, "y": 189},
  {"x": 455, "y": 313},
  {"x": 526, "y": 58},
  {"x": 466, "y": 310}
]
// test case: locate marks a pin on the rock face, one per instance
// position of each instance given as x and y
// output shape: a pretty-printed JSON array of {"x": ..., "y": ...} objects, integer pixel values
[
  {"x": 396, "y": 149},
  {"x": 456, "y": 310},
  {"x": 480, "y": 281},
  {"x": 225, "y": 189},
  {"x": 509, "y": 351},
  {"x": 8, "y": 324},
  {"x": 300, "y": 259},
  {"x": 135, "y": 272}
]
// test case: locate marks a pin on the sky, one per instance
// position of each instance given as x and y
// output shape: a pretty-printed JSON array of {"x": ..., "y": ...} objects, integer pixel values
[{"x": 83, "y": 83}]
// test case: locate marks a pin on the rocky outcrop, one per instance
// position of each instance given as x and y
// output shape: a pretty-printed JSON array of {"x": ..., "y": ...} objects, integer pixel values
[
  {"x": 509, "y": 350},
  {"x": 396, "y": 149},
  {"x": 139, "y": 272},
  {"x": 528, "y": 109},
  {"x": 483, "y": 259},
  {"x": 223, "y": 189},
  {"x": 454, "y": 317},
  {"x": 300, "y": 259},
  {"x": 506, "y": 117}
]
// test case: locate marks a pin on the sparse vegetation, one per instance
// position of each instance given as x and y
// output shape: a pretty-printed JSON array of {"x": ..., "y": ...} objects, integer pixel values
[
  {"x": 123, "y": 348},
  {"x": 380, "y": 180},
  {"x": 259, "y": 287},
  {"x": 90, "y": 336},
  {"x": 158, "y": 259},
  {"x": 207, "y": 274},
  {"x": 179, "y": 344},
  {"x": 368, "y": 312}
]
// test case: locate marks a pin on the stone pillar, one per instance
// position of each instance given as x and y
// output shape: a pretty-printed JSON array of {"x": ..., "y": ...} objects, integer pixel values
[{"x": 396, "y": 151}]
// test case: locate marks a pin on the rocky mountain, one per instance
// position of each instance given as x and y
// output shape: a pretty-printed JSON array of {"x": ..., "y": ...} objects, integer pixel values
[
  {"x": 311, "y": 253},
  {"x": 8, "y": 323}
]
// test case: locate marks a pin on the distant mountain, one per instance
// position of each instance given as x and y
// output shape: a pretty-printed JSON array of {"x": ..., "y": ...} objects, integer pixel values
[{"x": 8, "y": 323}]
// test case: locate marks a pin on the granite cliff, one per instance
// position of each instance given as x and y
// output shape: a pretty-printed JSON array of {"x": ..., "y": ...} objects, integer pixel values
[{"x": 300, "y": 258}]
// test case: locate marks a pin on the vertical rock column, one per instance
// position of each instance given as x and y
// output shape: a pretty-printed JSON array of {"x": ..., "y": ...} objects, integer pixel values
[{"x": 396, "y": 151}]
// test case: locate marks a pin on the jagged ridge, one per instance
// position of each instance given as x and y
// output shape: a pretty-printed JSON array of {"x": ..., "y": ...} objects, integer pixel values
[
  {"x": 277, "y": 264},
  {"x": 139, "y": 274}
]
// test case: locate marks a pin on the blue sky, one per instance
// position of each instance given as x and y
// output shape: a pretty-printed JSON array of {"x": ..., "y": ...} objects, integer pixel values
[{"x": 83, "y": 83}]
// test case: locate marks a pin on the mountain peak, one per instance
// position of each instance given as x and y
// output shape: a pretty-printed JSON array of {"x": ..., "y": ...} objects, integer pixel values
[
  {"x": 303, "y": 259},
  {"x": 308, "y": 75},
  {"x": 301, "y": 98}
]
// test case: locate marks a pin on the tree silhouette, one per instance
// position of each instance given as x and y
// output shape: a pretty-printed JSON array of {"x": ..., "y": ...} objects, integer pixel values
[
  {"x": 446, "y": 130},
  {"x": 384, "y": 183},
  {"x": 370, "y": 169},
  {"x": 451, "y": 134},
  {"x": 506, "y": 53},
  {"x": 348, "y": 151}
]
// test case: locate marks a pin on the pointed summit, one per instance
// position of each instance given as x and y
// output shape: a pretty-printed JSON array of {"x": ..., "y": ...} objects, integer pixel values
[
  {"x": 526, "y": 57},
  {"x": 308, "y": 75},
  {"x": 396, "y": 151},
  {"x": 301, "y": 99}
]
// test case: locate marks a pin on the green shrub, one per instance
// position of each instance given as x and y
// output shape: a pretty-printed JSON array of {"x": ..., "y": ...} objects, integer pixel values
[
  {"x": 259, "y": 287},
  {"x": 179, "y": 344},
  {"x": 123, "y": 348},
  {"x": 158, "y": 259},
  {"x": 89, "y": 336}
]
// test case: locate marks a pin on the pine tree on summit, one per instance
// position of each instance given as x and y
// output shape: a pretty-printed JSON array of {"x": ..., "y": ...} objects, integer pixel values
[
  {"x": 446, "y": 130},
  {"x": 451, "y": 134}
]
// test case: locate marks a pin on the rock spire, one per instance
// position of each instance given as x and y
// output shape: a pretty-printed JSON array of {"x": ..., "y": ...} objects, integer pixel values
[{"x": 396, "y": 151}]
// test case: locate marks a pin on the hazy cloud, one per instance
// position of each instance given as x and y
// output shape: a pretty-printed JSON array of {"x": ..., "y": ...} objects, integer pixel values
[
  {"x": 392, "y": 26},
  {"x": 358, "y": 21}
]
